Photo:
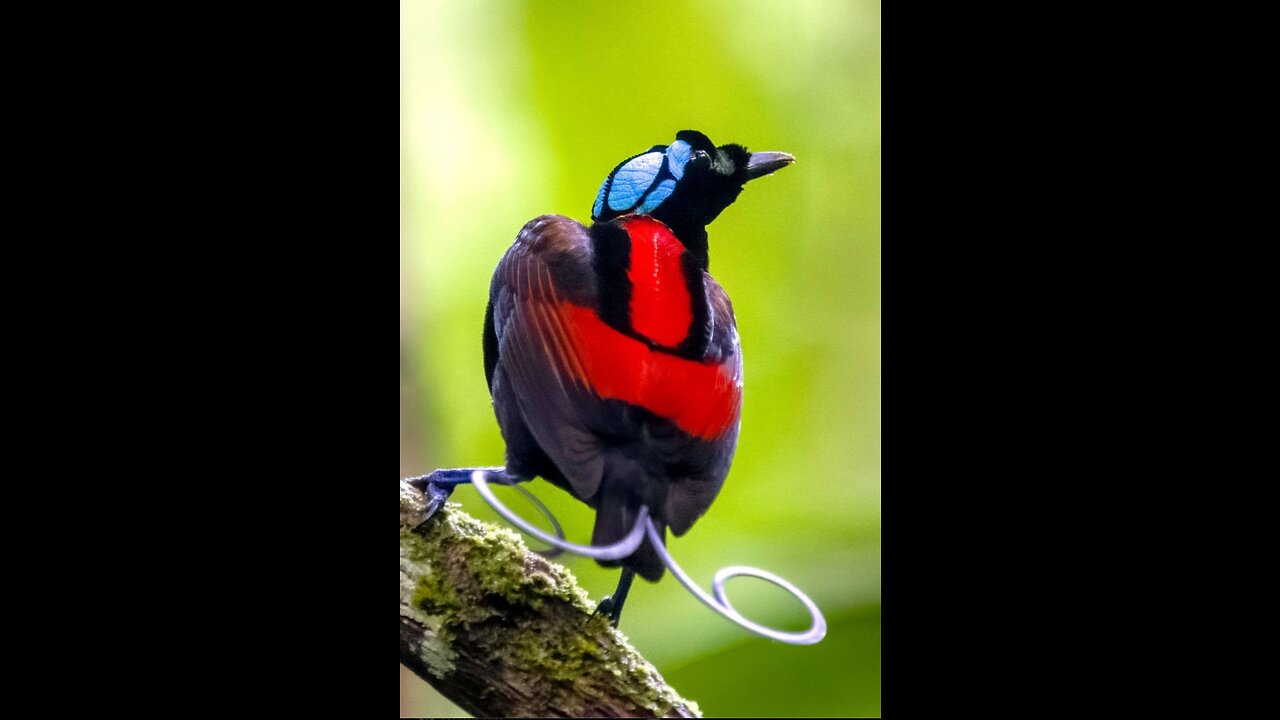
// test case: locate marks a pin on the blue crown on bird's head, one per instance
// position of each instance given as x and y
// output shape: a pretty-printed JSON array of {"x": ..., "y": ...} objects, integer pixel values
[
  {"x": 705, "y": 179},
  {"x": 640, "y": 183}
]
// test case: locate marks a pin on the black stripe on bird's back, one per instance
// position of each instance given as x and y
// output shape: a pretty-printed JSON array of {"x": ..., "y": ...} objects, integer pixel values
[
  {"x": 612, "y": 259},
  {"x": 698, "y": 335}
]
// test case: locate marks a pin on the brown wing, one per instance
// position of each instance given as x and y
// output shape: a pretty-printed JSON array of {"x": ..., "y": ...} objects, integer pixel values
[{"x": 542, "y": 404}]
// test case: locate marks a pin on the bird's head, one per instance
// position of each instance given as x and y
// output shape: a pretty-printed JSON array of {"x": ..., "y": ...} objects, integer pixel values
[{"x": 685, "y": 184}]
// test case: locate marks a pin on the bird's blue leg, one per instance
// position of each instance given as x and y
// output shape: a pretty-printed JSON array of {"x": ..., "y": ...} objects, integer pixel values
[
  {"x": 439, "y": 485},
  {"x": 612, "y": 605}
]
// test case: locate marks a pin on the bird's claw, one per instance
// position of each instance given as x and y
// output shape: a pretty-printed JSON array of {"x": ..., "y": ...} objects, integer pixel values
[
  {"x": 606, "y": 608},
  {"x": 436, "y": 494}
]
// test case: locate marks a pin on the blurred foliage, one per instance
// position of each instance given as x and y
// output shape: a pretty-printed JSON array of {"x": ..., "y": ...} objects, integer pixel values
[{"x": 509, "y": 110}]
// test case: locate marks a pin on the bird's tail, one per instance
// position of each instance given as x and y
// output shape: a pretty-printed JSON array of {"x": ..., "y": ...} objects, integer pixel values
[{"x": 621, "y": 495}]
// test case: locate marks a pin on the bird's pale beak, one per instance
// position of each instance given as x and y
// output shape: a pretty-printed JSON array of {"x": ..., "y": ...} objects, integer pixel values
[{"x": 765, "y": 163}]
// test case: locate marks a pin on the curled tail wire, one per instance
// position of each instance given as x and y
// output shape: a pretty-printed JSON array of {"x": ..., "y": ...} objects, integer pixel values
[{"x": 643, "y": 526}]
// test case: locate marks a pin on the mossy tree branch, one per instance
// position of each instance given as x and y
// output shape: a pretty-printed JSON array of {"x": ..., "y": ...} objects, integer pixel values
[{"x": 502, "y": 632}]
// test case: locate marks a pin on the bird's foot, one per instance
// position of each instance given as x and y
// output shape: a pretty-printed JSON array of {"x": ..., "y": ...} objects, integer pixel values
[
  {"x": 606, "y": 608},
  {"x": 439, "y": 485},
  {"x": 612, "y": 605}
]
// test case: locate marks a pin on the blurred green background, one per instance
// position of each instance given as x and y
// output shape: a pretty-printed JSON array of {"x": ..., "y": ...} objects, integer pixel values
[{"x": 509, "y": 110}]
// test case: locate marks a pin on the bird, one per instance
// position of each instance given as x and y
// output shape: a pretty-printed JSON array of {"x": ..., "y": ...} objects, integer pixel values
[{"x": 612, "y": 355}]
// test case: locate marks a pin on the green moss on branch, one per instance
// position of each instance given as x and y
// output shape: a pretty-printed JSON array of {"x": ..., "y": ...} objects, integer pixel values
[{"x": 503, "y": 632}]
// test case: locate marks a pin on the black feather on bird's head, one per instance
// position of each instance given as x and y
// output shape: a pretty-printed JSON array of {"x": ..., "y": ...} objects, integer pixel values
[{"x": 686, "y": 184}]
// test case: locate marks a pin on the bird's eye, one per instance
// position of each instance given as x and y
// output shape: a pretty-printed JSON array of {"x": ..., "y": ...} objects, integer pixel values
[{"x": 701, "y": 159}]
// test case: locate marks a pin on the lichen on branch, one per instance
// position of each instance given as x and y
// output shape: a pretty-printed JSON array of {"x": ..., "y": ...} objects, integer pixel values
[{"x": 503, "y": 632}]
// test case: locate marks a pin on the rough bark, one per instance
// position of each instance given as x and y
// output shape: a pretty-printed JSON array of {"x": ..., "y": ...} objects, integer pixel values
[{"x": 503, "y": 632}]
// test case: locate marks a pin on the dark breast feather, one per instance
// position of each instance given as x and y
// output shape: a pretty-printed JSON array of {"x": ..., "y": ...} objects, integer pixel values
[{"x": 689, "y": 497}]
